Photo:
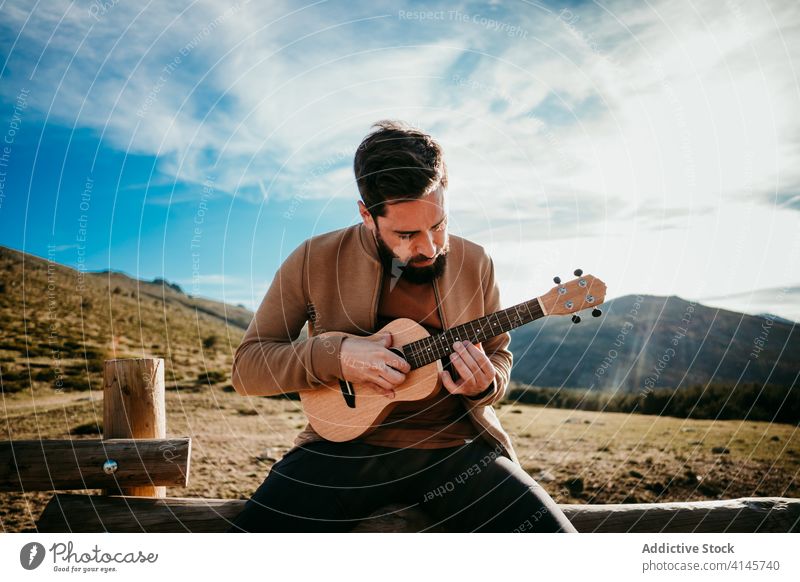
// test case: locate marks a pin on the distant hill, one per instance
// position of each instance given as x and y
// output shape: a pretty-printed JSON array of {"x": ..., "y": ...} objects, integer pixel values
[
  {"x": 774, "y": 317},
  {"x": 649, "y": 342},
  {"x": 59, "y": 325},
  {"x": 762, "y": 300}
]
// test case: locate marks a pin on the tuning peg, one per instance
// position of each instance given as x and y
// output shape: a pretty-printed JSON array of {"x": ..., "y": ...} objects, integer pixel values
[
  {"x": 557, "y": 280},
  {"x": 576, "y": 318},
  {"x": 578, "y": 272},
  {"x": 596, "y": 312}
]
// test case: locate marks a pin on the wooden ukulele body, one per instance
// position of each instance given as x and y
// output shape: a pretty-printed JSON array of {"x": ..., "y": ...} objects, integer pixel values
[{"x": 344, "y": 411}]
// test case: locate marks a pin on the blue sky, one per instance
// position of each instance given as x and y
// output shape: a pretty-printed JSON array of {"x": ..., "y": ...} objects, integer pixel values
[{"x": 656, "y": 145}]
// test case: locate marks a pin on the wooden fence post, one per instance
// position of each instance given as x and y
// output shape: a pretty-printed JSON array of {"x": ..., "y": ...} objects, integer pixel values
[{"x": 134, "y": 407}]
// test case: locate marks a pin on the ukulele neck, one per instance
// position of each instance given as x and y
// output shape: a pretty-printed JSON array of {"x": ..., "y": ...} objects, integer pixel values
[{"x": 429, "y": 349}]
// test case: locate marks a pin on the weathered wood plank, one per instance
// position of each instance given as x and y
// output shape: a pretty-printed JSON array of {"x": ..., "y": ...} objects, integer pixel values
[
  {"x": 744, "y": 515},
  {"x": 78, "y": 464},
  {"x": 99, "y": 513},
  {"x": 134, "y": 407},
  {"x": 87, "y": 513}
]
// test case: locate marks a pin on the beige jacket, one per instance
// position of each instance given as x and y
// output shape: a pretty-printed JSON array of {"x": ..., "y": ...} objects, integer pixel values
[{"x": 332, "y": 282}]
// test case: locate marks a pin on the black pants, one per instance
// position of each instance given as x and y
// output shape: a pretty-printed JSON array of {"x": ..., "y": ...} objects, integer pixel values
[{"x": 331, "y": 487}]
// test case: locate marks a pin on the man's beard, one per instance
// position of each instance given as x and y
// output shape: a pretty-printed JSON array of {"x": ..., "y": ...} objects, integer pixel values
[{"x": 417, "y": 275}]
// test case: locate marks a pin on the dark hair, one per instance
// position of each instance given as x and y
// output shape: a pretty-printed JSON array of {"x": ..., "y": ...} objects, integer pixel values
[{"x": 397, "y": 161}]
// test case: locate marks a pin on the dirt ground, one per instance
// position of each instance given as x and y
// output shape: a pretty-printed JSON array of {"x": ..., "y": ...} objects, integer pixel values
[{"x": 577, "y": 456}]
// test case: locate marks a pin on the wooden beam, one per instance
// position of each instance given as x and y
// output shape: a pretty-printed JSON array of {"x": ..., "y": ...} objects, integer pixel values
[
  {"x": 88, "y": 513},
  {"x": 99, "y": 513},
  {"x": 78, "y": 464},
  {"x": 134, "y": 406},
  {"x": 744, "y": 515}
]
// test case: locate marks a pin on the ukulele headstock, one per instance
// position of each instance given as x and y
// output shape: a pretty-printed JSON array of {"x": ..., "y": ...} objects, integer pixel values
[{"x": 580, "y": 293}]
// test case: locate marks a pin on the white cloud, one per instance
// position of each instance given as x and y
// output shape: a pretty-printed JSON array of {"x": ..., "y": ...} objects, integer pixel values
[
  {"x": 689, "y": 103},
  {"x": 626, "y": 128}
]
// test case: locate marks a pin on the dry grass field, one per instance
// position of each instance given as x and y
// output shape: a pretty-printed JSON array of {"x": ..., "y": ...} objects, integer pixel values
[{"x": 579, "y": 457}]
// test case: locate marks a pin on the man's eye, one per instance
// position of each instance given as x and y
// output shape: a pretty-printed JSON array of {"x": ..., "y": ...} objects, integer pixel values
[{"x": 405, "y": 236}]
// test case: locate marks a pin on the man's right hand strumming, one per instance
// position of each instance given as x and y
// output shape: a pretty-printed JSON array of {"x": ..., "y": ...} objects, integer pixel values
[{"x": 368, "y": 362}]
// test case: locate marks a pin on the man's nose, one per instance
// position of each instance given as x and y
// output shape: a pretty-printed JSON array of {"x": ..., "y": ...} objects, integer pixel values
[{"x": 426, "y": 246}]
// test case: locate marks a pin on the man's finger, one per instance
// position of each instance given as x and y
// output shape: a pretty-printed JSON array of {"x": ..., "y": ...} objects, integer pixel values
[
  {"x": 382, "y": 382},
  {"x": 480, "y": 357},
  {"x": 463, "y": 370},
  {"x": 380, "y": 390},
  {"x": 392, "y": 375},
  {"x": 396, "y": 362},
  {"x": 463, "y": 355},
  {"x": 447, "y": 380}
]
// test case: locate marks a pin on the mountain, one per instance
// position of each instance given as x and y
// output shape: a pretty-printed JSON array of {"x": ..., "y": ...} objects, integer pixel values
[
  {"x": 774, "y": 317},
  {"x": 648, "y": 342},
  {"x": 60, "y": 324},
  {"x": 760, "y": 301}
]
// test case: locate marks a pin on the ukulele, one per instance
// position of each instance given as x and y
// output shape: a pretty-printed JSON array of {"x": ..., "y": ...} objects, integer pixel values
[{"x": 343, "y": 411}]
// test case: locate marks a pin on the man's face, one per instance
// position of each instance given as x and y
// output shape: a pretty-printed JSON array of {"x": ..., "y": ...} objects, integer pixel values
[{"x": 412, "y": 236}]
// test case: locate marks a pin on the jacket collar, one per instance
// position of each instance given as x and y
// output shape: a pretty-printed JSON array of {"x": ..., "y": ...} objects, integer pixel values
[{"x": 368, "y": 242}]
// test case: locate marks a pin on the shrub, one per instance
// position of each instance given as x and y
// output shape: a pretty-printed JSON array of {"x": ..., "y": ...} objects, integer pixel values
[
  {"x": 752, "y": 401},
  {"x": 96, "y": 365},
  {"x": 12, "y": 387},
  {"x": 88, "y": 428},
  {"x": 44, "y": 376},
  {"x": 211, "y": 377}
]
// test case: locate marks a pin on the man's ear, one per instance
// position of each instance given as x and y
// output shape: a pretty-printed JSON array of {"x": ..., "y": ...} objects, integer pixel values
[{"x": 366, "y": 216}]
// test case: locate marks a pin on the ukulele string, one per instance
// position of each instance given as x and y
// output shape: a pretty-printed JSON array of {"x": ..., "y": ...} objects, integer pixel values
[{"x": 433, "y": 345}]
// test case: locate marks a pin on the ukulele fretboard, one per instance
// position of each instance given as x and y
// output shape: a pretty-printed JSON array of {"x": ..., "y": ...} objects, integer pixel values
[{"x": 423, "y": 352}]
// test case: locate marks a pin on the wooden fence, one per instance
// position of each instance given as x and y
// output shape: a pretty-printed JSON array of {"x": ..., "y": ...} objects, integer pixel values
[{"x": 134, "y": 464}]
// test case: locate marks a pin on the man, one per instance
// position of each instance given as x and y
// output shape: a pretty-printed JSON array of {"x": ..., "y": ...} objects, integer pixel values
[{"x": 447, "y": 455}]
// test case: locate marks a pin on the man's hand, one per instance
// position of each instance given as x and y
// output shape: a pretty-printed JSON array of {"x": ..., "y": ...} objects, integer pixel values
[
  {"x": 473, "y": 366},
  {"x": 368, "y": 363}
]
